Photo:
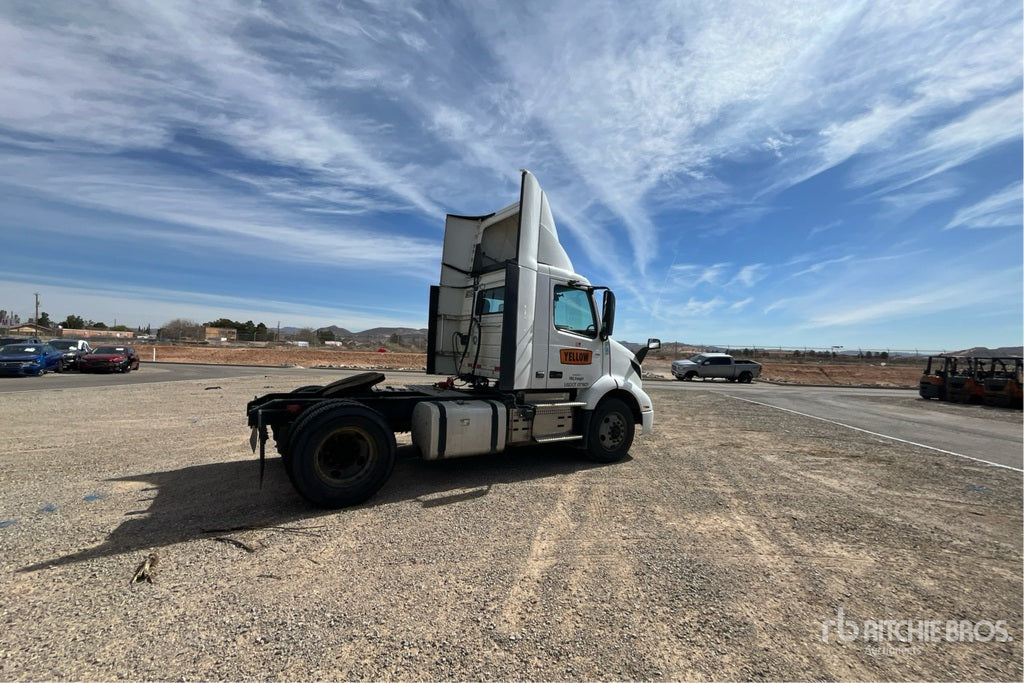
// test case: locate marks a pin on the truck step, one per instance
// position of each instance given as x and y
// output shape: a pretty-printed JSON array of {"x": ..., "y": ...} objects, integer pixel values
[
  {"x": 554, "y": 439},
  {"x": 542, "y": 405}
]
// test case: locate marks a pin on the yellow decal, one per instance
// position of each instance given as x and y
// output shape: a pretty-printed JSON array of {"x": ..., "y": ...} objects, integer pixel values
[{"x": 575, "y": 356}]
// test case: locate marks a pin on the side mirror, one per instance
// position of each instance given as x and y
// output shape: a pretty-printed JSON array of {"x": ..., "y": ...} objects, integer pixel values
[
  {"x": 652, "y": 344},
  {"x": 607, "y": 314}
]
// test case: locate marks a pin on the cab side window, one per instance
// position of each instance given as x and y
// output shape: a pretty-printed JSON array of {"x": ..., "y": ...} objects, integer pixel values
[
  {"x": 573, "y": 311},
  {"x": 490, "y": 301}
]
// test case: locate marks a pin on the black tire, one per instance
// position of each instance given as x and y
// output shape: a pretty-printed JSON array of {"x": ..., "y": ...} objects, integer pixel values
[
  {"x": 611, "y": 431},
  {"x": 341, "y": 453},
  {"x": 60, "y": 366},
  {"x": 745, "y": 377},
  {"x": 688, "y": 377}
]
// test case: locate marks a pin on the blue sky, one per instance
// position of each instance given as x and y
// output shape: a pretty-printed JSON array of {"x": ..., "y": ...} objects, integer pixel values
[{"x": 745, "y": 173}]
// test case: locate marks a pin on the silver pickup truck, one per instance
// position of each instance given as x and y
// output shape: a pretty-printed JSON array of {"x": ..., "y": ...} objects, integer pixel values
[{"x": 716, "y": 366}]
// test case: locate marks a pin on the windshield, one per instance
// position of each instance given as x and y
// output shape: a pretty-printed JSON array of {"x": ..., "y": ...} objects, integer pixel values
[
  {"x": 698, "y": 359},
  {"x": 20, "y": 348},
  {"x": 64, "y": 345},
  {"x": 112, "y": 350}
]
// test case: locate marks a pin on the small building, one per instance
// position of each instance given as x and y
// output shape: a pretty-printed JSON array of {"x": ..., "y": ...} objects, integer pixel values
[
  {"x": 96, "y": 334},
  {"x": 221, "y": 334},
  {"x": 30, "y": 330}
]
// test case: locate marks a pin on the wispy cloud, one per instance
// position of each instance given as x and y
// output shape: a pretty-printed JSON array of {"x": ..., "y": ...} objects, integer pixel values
[
  {"x": 741, "y": 304},
  {"x": 975, "y": 290},
  {"x": 1002, "y": 209},
  {"x": 187, "y": 215},
  {"x": 689, "y": 275},
  {"x": 904, "y": 203},
  {"x": 748, "y": 276},
  {"x": 821, "y": 266}
]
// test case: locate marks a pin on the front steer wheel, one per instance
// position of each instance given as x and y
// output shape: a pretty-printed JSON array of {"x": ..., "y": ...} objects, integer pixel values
[
  {"x": 611, "y": 430},
  {"x": 341, "y": 454}
]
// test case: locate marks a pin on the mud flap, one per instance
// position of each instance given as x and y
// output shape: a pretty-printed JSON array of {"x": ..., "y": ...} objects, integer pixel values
[{"x": 259, "y": 432}]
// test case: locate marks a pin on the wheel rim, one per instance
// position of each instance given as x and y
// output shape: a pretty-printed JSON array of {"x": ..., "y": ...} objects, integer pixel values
[
  {"x": 612, "y": 431},
  {"x": 344, "y": 455}
]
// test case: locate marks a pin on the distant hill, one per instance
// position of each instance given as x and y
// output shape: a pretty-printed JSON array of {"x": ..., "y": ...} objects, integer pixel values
[
  {"x": 985, "y": 352},
  {"x": 403, "y": 337},
  {"x": 381, "y": 335}
]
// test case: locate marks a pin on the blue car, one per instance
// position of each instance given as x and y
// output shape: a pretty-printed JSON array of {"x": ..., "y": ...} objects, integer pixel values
[{"x": 30, "y": 359}]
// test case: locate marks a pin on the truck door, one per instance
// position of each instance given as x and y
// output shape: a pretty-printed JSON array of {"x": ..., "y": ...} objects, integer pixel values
[
  {"x": 575, "y": 358},
  {"x": 720, "y": 368}
]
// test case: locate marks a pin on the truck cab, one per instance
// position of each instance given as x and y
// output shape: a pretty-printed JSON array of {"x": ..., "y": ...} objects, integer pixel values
[
  {"x": 525, "y": 343},
  {"x": 511, "y": 312}
]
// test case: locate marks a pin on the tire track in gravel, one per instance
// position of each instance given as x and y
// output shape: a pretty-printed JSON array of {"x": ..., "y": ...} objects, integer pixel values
[
  {"x": 553, "y": 532},
  {"x": 762, "y": 551}
]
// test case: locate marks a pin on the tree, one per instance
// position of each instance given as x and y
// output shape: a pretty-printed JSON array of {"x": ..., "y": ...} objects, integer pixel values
[
  {"x": 182, "y": 328},
  {"x": 73, "y": 322},
  {"x": 307, "y": 334},
  {"x": 325, "y": 335},
  {"x": 44, "y": 320}
]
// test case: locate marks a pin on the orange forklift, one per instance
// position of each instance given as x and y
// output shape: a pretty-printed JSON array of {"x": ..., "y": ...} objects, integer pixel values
[
  {"x": 935, "y": 380},
  {"x": 967, "y": 384},
  {"x": 1003, "y": 382}
]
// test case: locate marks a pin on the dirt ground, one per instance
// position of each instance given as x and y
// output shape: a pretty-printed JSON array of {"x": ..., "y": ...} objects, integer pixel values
[
  {"x": 829, "y": 374},
  {"x": 737, "y": 542}
]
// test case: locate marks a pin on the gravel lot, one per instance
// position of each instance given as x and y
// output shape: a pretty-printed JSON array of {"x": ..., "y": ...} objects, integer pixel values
[{"x": 720, "y": 550}]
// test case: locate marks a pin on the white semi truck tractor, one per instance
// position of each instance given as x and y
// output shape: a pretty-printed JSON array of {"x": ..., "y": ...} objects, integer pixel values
[{"x": 525, "y": 343}]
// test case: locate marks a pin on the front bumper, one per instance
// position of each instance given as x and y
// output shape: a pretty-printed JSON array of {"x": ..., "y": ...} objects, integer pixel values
[
  {"x": 106, "y": 366},
  {"x": 19, "y": 368},
  {"x": 647, "y": 421},
  {"x": 681, "y": 370}
]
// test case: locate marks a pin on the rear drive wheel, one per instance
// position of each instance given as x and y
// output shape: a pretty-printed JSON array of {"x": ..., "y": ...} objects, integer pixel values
[
  {"x": 611, "y": 430},
  {"x": 341, "y": 454},
  {"x": 745, "y": 377}
]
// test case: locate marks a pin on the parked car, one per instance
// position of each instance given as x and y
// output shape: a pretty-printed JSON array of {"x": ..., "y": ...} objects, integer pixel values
[
  {"x": 73, "y": 350},
  {"x": 109, "y": 359},
  {"x": 716, "y": 366},
  {"x": 4, "y": 341},
  {"x": 30, "y": 359}
]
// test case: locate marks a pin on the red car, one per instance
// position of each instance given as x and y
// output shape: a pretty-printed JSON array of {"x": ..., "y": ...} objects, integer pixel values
[{"x": 110, "y": 359}]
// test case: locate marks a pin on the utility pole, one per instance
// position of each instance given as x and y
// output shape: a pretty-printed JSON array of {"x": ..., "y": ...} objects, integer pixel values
[{"x": 36, "y": 321}]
